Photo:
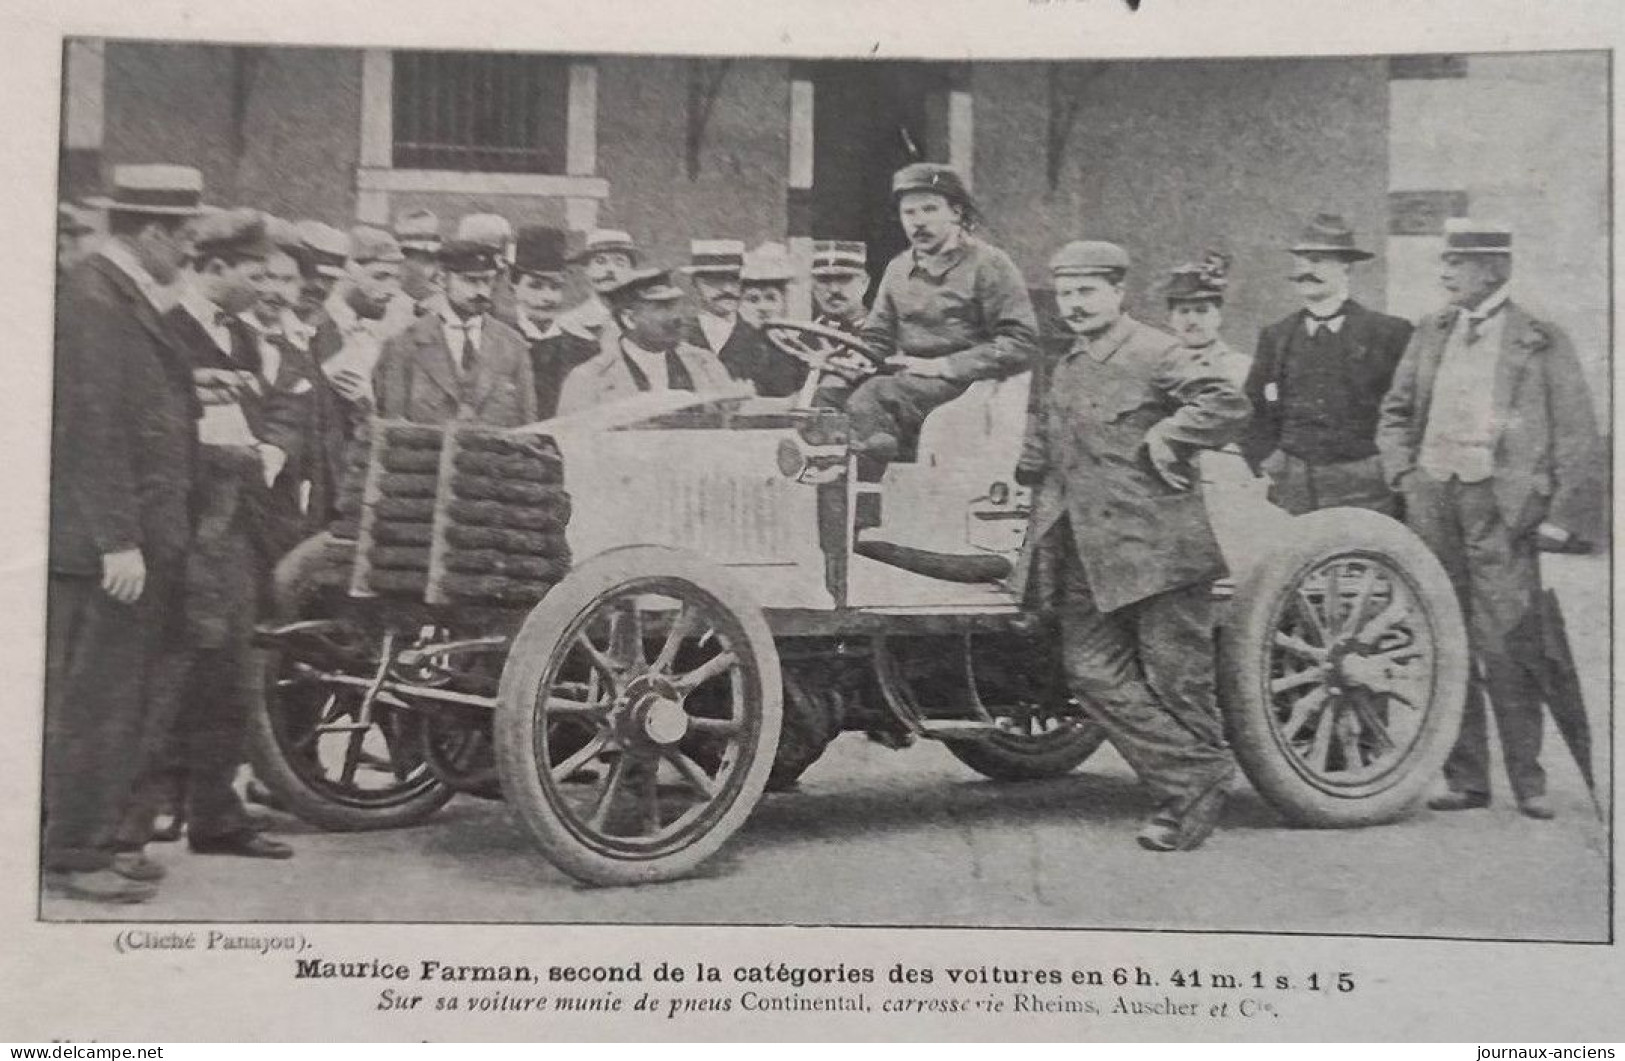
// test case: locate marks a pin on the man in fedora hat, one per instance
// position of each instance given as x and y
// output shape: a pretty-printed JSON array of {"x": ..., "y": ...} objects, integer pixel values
[
  {"x": 644, "y": 350},
  {"x": 1489, "y": 434},
  {"x": 122, "y": 468},
  {"x": 951, "y": 309},
  {"x": 605, "y": 258},
  {"x": 249, "y": 455},
  {"x": 840, "y": 279},
  {"x": 1119, "y": 543},
  {"x": 460, "y": 363},
  {"x": 538, "y": 278},
  {"x": 1317, "y": 380}
]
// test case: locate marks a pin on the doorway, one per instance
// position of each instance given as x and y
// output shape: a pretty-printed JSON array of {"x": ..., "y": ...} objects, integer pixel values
[{"x": 869, "y": 120}]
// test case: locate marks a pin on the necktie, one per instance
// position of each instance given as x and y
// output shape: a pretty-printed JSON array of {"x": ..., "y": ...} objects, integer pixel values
[{"x": 471, "y": 353}]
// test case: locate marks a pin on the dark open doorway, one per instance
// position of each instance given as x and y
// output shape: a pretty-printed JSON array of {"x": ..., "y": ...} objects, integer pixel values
[{"x": 870, "y": 119}]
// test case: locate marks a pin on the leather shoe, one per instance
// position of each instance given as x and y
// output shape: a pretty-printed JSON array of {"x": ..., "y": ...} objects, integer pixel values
[
  {"x": 168, "y": 826},
  {"x": 1159, "y": 834},
  {"x": 135, "y": 865},
  {"x": 244, "y": 844},
  {"x": 1536, "y": 807},
  {"x": 98, "y": 886},
  {"x": 1459, "y": 801},
  {"x": 1202, "y": 816}
]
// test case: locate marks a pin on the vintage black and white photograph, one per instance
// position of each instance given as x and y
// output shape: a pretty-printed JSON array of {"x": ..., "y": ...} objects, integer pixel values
[{"x": 528, "y": 487}]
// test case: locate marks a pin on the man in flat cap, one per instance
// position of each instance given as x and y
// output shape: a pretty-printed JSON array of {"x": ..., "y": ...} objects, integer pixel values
[
  {"x": 323, "y": 250},
  {"x": 122, "y": 470},
  {"x": 1119, "y": 544},
  {"x": 840, "y": 279},
  {"x": 538, "y": 277},
  {"x": 605, "y": 259},
  {"x": 1490, "y": 435},
  {"x": 644, "y": 350},
  {"x": 418, "y": 234},
  {"x": 460, "y": 364},
  {"x": 251, "y": 441},
  {"x": 952, "y": 309},
  {"x": 496, "y": 232},
  {"x": 1318, "y": 379}
]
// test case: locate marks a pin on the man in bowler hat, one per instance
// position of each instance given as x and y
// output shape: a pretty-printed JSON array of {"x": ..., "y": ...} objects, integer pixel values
[
  {"x": 1317, "y": 380},
  {"x": 538, "y": 278}
]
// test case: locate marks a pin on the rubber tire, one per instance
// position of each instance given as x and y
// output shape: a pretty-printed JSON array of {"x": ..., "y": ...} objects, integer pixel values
[
  {"x": 298, "y": 596},
  {"x": 528, "y": 663},
  {"x": 1008, "y": 757},
  {"x": 1243, "y": 667}
]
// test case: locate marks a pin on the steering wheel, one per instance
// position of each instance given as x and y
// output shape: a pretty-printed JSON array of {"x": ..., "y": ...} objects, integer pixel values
[{"x": 825, "y": 350}]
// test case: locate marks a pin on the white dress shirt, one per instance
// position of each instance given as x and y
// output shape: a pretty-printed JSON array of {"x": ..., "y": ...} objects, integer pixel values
[
  {"x": 717, "y": 330},
  {"x": 652, "y": 363},
  {"x": 457, "y": 330}
]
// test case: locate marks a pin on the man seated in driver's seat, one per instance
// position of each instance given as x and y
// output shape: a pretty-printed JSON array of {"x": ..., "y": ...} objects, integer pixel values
[{"x": 951, "y": 310}]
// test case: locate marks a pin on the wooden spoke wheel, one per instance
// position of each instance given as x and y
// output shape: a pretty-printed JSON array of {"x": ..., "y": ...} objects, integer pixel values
[
  {"x": 335, "y": 751},
  {"x": 1344, "y": 670},
  {"x": 661, "y": 672}
]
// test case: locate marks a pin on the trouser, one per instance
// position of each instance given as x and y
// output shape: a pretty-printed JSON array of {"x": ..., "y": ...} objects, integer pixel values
[
  {"x": 100, "y": 656},
  {"x": 897, "y": 405},
  {"x": 1497, "y": 580},
  {"x": 196, "y": 730},
  {"x": 1145, "y": 673},
  {"x": 1299, "y": 486}
]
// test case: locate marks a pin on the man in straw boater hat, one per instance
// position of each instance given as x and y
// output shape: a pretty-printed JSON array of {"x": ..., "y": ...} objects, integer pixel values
[
  {"x": 643, "y": 351},
  {"x": 460, "y": 363},
  {"x": 123, "y": 440},
  {"x": 323, "y": 250},
  {"x": 1490, "y": 435},
  {"x": 951, "y": 309},
  {"x": 251, "y": 438},
  {"x": 713, "y": 272},
  {"x": 418, "y": 234},
  {"x": 1119, "y": 544},
  {"x": 1318, "y": 379},
  {"x": 538, "y": 277},
  {"x": 606, "y": 256}
]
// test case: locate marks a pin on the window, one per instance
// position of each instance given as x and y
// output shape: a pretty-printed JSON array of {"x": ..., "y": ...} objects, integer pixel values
[{"x": 480, "y": 112}]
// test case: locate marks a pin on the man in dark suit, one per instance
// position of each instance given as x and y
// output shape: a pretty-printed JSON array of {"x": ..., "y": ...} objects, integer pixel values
[
  {"x": 537, "y": 278},
  {"x": 1318, "y": 379},
  {"x": 1119, "y": 543},
  {"x": 713, "y": 273},
  {"x": 461, "y": 364},
  {"x": 251, "y": 440},
  {"x": 123, "y": 440},
  {"x": 1490, "y": 434}
]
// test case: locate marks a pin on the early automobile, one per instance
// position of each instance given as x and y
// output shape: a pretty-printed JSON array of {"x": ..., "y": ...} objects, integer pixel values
[{"x": 632, "y": 621}]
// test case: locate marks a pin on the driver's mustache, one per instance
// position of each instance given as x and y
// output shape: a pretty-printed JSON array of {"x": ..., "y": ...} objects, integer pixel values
[{"x": 1299, "y": 277}]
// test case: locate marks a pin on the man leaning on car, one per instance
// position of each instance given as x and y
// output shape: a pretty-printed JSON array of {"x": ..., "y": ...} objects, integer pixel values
[{"x": 1120, "y": 543}]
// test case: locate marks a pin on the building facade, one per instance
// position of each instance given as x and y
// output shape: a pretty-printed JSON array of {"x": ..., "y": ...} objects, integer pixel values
[{"x": 1168, "y": 157}]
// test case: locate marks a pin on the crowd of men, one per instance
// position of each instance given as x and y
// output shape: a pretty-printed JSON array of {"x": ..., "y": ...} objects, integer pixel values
[{"x": 213, "y": 366}]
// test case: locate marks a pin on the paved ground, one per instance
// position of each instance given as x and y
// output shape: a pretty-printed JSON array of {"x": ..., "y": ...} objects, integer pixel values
[{"x": 880, "y": 837}]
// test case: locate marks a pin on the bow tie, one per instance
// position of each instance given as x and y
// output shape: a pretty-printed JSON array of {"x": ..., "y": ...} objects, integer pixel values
[{"x": 1314, "y": 324}]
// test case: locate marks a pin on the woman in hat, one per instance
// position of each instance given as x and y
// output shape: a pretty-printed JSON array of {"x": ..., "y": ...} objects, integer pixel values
[
  {"x": 764, "y": 283},
  {"x": 1195, "y": 293}
]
